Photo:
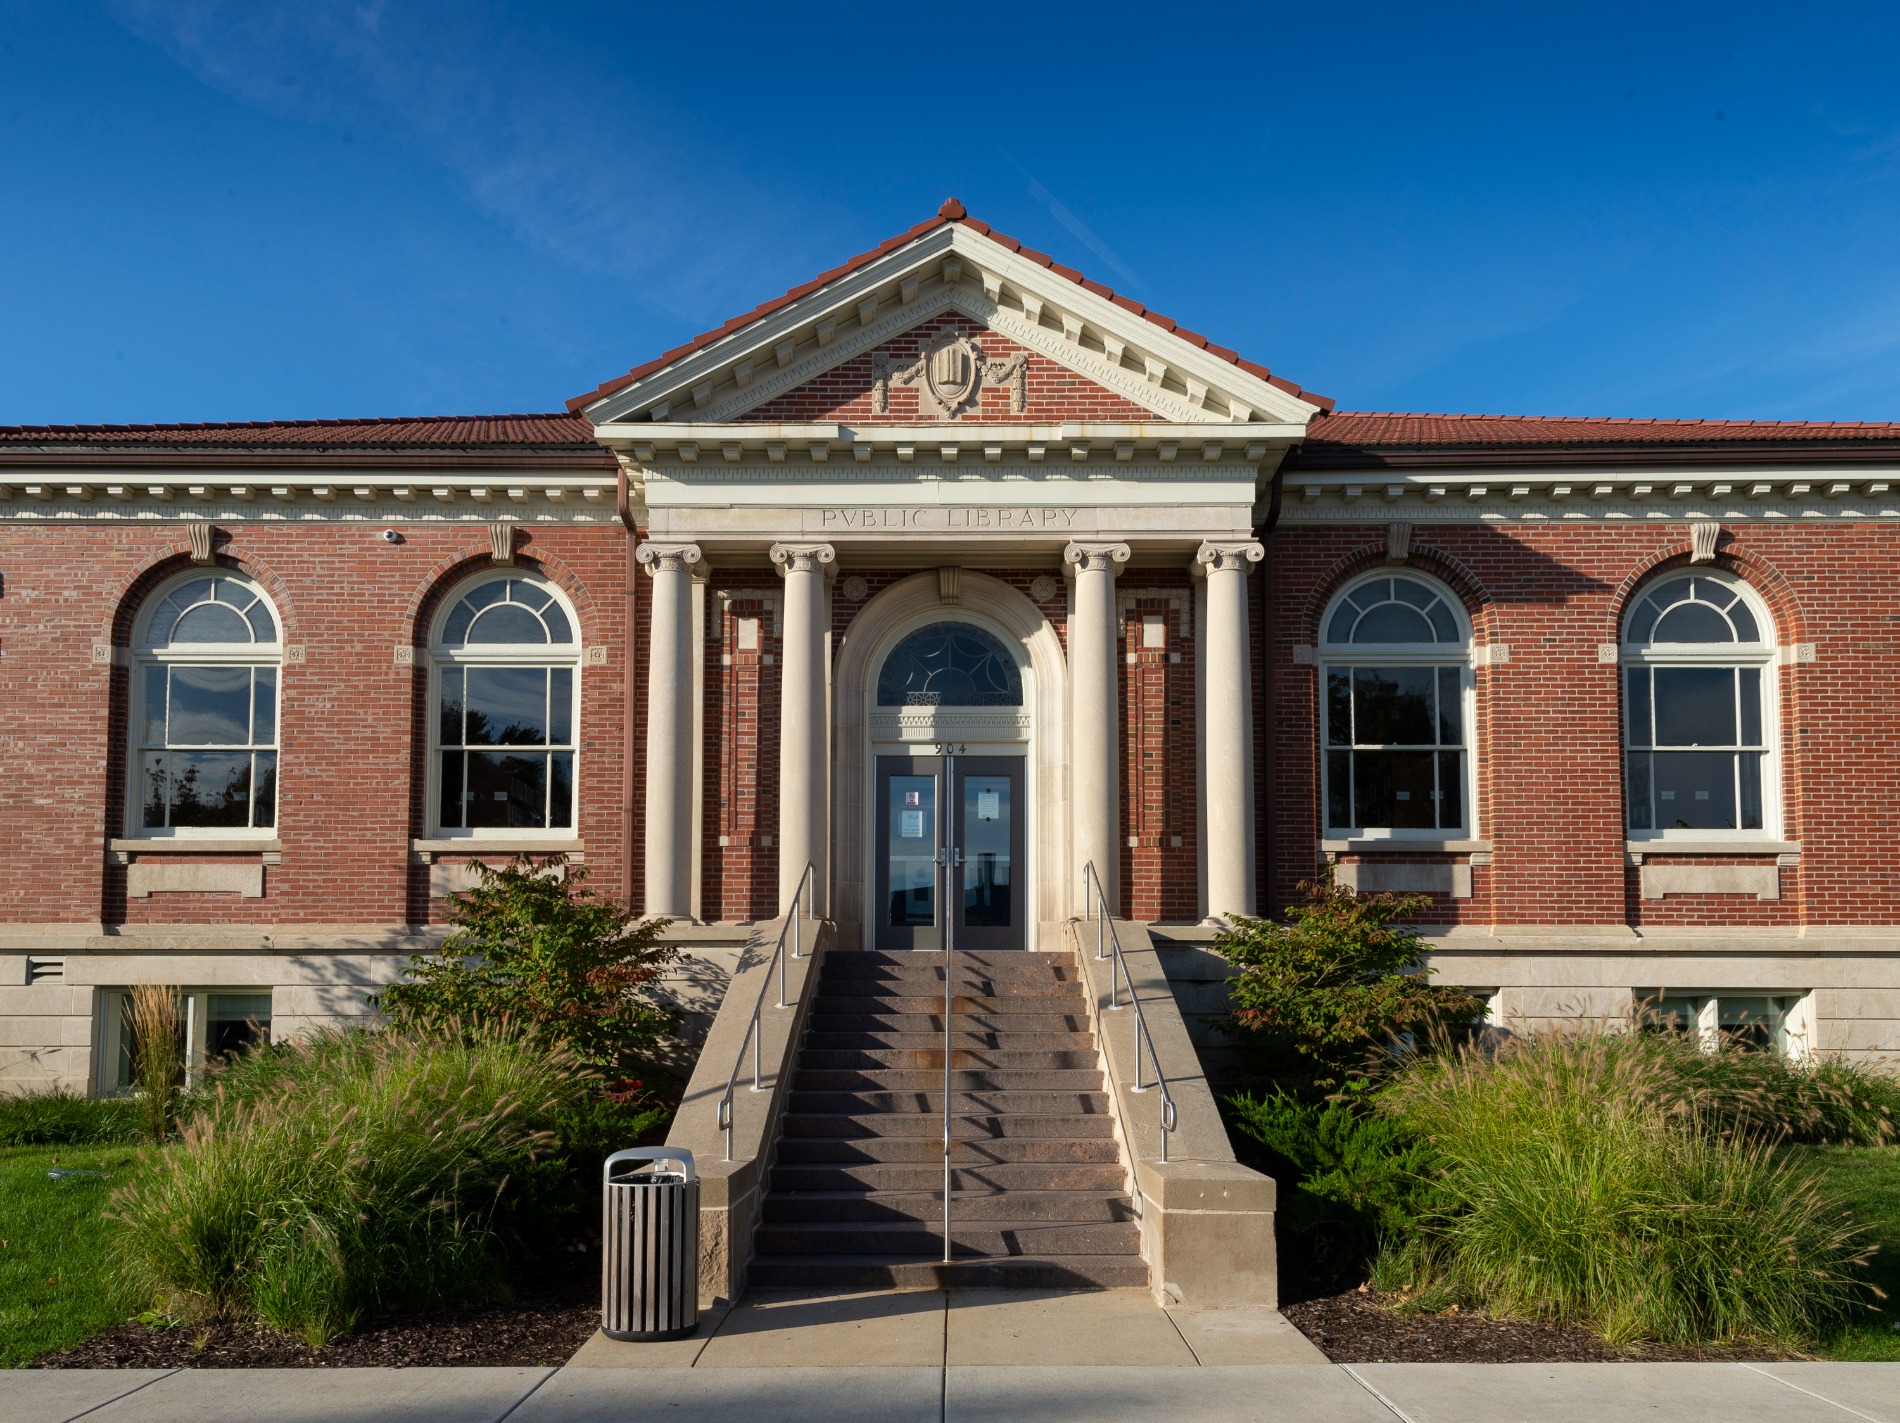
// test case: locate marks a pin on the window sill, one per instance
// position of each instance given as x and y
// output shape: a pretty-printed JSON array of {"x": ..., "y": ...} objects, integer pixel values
[
  {"x": 1638, "y": 848},
  {"x": 172, "y": 845},
  {"x": 1405, "y": 847},
  {"x": 428, "y": 851}
]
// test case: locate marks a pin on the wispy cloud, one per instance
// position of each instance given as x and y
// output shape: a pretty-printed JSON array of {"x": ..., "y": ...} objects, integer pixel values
[
  {"x": 1082, "y": 232},
  {"x": 580, "y": 170}
]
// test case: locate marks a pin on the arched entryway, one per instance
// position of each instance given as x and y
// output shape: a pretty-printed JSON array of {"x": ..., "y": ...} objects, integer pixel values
[{"x": 949, "y": 722}]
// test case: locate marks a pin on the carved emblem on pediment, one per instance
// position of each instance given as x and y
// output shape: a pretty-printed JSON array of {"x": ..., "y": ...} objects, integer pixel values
[{"x": 949, "y": 377}]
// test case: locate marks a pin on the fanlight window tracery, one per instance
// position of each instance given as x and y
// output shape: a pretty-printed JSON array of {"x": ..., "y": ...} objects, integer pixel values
[
  {"x": 507, "y": 699},
  {"x": 204, "y": 716},
  {"x": 950, "y": 665}
]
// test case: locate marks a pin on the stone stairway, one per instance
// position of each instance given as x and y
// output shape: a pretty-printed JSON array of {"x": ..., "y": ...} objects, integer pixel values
[{"x": 1038, "y": 1189}]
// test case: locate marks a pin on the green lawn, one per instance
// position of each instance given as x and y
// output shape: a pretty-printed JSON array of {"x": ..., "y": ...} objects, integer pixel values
[
  {"x": 54, "y": 1264},
  {"x": 1869, "y": 1179}
]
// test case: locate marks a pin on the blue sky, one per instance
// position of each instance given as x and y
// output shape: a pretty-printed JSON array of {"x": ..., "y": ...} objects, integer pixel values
[{"x": 214, "y": 210}]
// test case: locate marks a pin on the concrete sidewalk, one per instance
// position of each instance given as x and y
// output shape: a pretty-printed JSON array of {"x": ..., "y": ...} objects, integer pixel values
[
  {"x": 1136, "y": 1393},
  {"x": 969, "y": 1357}
]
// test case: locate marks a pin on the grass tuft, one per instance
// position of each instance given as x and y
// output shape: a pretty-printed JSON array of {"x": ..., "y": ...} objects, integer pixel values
[
  {"x": 1609, "y": 1179},
  {"x": 348, "y": 1174},
  {"x": 64, "y": 1119}
]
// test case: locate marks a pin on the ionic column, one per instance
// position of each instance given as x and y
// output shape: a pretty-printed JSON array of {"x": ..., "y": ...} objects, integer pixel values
[
  {"x": 669, "y": 749},
  {"x": 1226, "y": 727},
  {"x": 804, "y": 720},
  {"x": 1094, "y": 722}
]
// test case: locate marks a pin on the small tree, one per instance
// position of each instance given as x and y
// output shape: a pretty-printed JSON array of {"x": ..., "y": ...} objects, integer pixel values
[
  {"x": 158, "y": 1053},
  {"x": 544, "y": 951},
  {"x": 1340, "y": 979}
]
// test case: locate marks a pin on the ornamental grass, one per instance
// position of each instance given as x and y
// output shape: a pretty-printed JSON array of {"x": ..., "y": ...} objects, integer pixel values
[
  {"x": 1633, "y": 1184},
  {"x": 323, "y": 1181}
]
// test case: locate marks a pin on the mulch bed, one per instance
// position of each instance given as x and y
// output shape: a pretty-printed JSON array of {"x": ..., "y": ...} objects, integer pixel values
[
  {"x": 552, "y": 1316},
  {"x": 1355, "y": 1326}
]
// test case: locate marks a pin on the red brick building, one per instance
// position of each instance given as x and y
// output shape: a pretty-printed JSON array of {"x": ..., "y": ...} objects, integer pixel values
[{"x": 950, "y": 549}]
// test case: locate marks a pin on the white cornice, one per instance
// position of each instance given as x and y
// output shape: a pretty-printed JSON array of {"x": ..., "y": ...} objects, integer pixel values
[
  {"x": 1058, "y": 318},
  {"x": 1068, "y": 442},
  {"x": 271, "y": 496},
  {"x": 1584, "y": 496}
]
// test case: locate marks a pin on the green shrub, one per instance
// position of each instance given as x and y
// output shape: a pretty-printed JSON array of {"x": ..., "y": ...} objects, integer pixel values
[
  {"x": 540, "y": 949},
  {"x": 1356, "y": 1178},
  {"x": 322, "y": 1181},
  {"x": 66, "y": 1119},
  {"x": 1589, "y": 1177},
  {"x": 1335, "y": 985}
]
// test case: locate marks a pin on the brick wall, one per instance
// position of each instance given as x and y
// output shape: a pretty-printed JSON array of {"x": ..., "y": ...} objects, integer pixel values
[
  {"x": 351, "y": 728},
  {"x": 1160, "y": 781},
  {"x": 1547, "y": 733}
]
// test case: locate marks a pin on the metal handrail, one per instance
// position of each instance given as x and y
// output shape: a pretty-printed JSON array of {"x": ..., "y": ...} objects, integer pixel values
[
  {"x": 753, "y": 1033},
  {"x": 952, "y": 858},
  {"x": 952, "y": 901},
  {"x": 1108, "y": 944}
]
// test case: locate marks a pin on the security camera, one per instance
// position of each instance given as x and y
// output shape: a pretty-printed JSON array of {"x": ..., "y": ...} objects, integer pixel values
[{"x": 390, "y": 536}]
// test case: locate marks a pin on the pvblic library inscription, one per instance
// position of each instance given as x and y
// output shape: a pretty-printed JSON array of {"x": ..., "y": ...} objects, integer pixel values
[{"x": 955, "y": 517}]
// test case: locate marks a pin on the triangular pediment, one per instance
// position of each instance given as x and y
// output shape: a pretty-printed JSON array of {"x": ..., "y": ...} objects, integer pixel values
[
  {"x": 949, "y": 367},
  {"x": 854, "y": 339}
]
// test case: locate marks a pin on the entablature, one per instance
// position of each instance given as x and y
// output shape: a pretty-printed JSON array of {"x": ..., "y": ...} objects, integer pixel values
[
  {"x": 1603, "y": 495},
  {"x": 272, "y": 496}
]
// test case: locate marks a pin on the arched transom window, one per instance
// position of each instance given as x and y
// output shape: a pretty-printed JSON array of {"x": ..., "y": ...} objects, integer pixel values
[
  {"x": 950, "y": 665},
  {"x": 506, "y": 680},
  {"x": 206, "y": 660},
  {"x": 1698, "y": 654},
  {"x": 1395, "y": 673}
]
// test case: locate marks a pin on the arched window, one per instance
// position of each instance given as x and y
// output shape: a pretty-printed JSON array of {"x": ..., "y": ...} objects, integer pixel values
[
  {"x": 206, "y": 657},
  {"x": 1698, "y": 655},
  {"x": 950, "y": 665},
  {"x": 506, "y": 699},
  {"x": 1395, "y": 668}
]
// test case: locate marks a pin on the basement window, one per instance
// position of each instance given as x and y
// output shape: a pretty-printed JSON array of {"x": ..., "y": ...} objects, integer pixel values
[
  {"x": 1767, "y": 1022},
  {"x": 218, "y": 1023}
]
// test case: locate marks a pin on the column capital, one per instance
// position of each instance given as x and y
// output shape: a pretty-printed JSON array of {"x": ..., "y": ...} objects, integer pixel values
[
  {"x": 1094, "y": 558},
  {"x": 1227, "y": 557},
  {"x": 803, "y": 558},
  {"x": 668, "y": 558}
]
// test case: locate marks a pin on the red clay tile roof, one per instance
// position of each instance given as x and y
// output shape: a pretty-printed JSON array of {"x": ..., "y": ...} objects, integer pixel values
[
  {"x": 452, "y": 431},
  {"x": 1386, "y": 430},
  {"x": 951, "y": 211}
]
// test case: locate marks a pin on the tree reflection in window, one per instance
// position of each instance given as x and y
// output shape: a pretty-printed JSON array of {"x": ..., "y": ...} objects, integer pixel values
[{"x": 950, "y": 665}]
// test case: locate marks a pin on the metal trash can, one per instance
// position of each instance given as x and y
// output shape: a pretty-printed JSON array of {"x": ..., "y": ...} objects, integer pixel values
[{"x": 649, "y": 1238}]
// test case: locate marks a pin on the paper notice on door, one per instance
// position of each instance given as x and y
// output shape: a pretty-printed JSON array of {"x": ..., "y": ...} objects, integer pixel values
[
  {"x": 910, "y": 824},
  {"x": 989, "y": 805}
]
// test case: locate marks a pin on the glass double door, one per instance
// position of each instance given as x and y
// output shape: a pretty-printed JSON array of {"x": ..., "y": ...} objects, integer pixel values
[{"x": 949, "y": 835}]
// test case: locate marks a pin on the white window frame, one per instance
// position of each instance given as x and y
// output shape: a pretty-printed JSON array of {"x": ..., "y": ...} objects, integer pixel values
[
  {"x": 200, "y": 654},
  {"x": 533, "y": 654},
  {"x": 1400, "y": 654},
  {"x": 1761, "y": 654},
  {"x": 195, "y": 1004},
  {"x": 1792, "y": 1029}
]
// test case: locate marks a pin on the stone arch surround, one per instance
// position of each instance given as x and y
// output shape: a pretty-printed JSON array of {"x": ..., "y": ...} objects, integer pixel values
[{"x": 882, "y": 620}]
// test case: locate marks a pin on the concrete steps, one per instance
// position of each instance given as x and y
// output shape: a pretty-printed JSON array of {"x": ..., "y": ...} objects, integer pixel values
[
  {"x": 1038, "y": 1188},
  {"x": 910, "y": 1272}
]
